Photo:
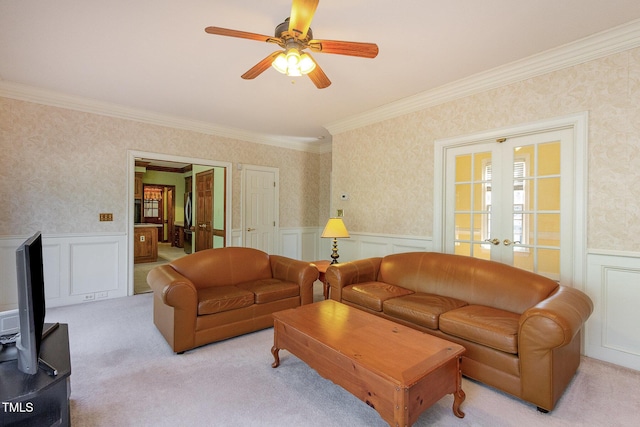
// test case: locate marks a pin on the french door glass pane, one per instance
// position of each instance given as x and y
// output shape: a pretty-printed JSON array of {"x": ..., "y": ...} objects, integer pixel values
[
  {"x": 549, "y": 262},
  {"x": 463, "y": 197},
  {"x": 472, "y": 204},
  {"x": 549, "y": 155},
  {"x": 549, "y": 194},
  {"x": 524, "y": 258},
  {"x": 482, "y": 199},
  {"x": 481, "y": 160},
  {"x": 463, "y": 226},
  {"x": 462, "y": 248},
  {"x": 463, "y": 168},
  {"x": 549, "y": 230},
  {"x": 482, "y": 251}
]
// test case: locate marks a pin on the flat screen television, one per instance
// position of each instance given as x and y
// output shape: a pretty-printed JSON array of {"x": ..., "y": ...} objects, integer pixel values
[{"x": 31, "y": 305}]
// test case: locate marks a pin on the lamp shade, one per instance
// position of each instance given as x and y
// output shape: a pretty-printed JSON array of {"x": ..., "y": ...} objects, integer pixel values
[{"x": 335, "y": 228}]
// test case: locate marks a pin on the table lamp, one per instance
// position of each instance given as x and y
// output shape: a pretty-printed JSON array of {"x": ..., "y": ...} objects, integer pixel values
[{"x": 335, "y": 229}]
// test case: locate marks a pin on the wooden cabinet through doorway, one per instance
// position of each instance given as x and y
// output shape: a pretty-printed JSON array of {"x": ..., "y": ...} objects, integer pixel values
[{"x": 145, "y": 244}]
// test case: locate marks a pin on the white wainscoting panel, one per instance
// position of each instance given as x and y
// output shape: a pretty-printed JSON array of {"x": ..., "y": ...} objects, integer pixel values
[
  {"x": 294, "y": 242},
  {"x": 361, "y": 245},
  {"x": 94, "y": 267},
  {"x": 613, "y": 283},
  {"x": 77, "y": 268},
  {"x": 305, "y": 243},
  {"x": 52, "y": 258},
  {"x": 300, "y": 243},
  {"x": 290, "y": 243}
]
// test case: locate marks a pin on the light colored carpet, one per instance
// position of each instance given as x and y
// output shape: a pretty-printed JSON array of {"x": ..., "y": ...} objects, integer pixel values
[{"x": 125, "y": 374}]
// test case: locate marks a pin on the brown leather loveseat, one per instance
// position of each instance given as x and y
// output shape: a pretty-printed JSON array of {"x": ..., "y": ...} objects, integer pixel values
[
  {"x": 216, "y": 294},
  {"x": 521, "y": 330}
]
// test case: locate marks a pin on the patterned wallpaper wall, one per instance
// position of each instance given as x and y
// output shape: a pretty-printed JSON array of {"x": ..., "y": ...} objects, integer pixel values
[
  {"x": 60, "y": 168},
  {"x": 387, "y": 168}
]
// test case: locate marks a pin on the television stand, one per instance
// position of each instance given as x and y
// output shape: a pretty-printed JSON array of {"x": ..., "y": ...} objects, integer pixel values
[
  {"x": 11, "y": 352},
  {"x": 39, "y": 399},
  {"x": 45, "y": 366}
]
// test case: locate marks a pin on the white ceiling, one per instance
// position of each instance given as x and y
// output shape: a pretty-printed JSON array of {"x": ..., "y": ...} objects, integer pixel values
[{"x": 155, "y": 56}]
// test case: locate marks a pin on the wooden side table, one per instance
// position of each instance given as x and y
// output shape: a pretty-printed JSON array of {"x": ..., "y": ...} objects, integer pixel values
[{"x": 322, "y": 269}]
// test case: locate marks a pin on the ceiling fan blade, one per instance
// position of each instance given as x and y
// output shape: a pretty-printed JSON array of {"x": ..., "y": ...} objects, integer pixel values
[
  {"x": 260, "y": 67},
  {"x": 363, "y": 50},
  {"x": 319, "y": 78},
  {"x": 302, "y": 12},
  {"x": 235, "y": 33}
]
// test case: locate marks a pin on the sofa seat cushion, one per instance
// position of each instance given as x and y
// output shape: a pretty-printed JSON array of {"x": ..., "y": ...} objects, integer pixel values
[
  {"x": 488, "y": 326},
  {"x": 216, "y": 299},
  {"x": 269, "y": 290},
  {"x": 372, "y": 294},
  {"x": 421, "y": 308}
]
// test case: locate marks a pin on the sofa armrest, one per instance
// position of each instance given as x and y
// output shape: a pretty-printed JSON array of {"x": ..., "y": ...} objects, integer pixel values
[
  {"x": 555, "y": 321},
  {"x": 173, "y": 288},
  {"x": 340, "y": 275},
  {"x": 549, "y": 345},
  {"x": 292, "y": 270}
]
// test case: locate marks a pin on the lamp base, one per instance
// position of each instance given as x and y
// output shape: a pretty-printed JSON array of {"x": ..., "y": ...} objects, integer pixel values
[{"x": 334, "y": 252}]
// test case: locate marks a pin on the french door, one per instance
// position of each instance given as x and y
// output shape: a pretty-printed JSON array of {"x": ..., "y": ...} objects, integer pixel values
[{"x": 510, "y": 200}]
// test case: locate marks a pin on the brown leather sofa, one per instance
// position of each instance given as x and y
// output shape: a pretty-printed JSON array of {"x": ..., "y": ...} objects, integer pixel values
[
  {"x": 521, "y": 330},
  {"x": 216, "y": 294}
]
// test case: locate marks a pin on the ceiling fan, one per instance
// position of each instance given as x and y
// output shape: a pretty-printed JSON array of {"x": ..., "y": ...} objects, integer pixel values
[{"x": 294, "y": 35}]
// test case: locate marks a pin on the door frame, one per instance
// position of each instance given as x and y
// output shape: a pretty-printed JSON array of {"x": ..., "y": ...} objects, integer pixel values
[
  {"x": 579, "y": 124},
  {"x": 276, "y": 202},
  {"x": 131, "y": 169}
]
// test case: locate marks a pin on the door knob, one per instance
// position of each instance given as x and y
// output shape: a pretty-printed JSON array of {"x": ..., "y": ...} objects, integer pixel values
[
  {"x": 251, "y": 229},
  {"x": 495, "y": 241},
  {"x": 508, "y": 242}
]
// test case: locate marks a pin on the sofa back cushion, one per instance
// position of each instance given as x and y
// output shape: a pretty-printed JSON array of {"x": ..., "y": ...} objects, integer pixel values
[
  {"x": 473, "y": 280},
  {"x": 224, "y": 266}
]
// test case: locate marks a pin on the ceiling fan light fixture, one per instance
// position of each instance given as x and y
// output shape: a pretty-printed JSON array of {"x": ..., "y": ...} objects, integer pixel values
[
  {"x": 307, "y": 64},
  {"x": 293, "y": 58},
  {"x": 293, "y": 64},
  {"x": 280, "y": 63}
]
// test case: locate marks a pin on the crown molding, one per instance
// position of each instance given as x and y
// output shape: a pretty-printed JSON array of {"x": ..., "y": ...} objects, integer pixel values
[
  {"x": 599, "y": 45},
  {"x": 615, "y": 40},
  {"x": 57, "y": 99}
]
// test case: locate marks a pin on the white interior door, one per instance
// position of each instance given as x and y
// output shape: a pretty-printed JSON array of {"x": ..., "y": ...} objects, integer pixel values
[
  {"x": 510, "y": 200},
  {"x": 260, "y": 213}
]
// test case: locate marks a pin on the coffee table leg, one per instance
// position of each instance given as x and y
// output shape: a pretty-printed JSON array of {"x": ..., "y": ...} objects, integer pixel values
[
  {"x": 458, "y": 398},
  {"x": 274, "y": 351}
]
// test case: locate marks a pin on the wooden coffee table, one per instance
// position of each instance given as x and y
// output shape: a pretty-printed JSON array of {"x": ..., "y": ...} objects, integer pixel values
[{"x": 396, "y": 370}]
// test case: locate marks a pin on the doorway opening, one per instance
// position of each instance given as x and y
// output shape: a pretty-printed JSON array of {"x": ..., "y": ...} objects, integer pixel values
[{"x": 169, "y": 209}]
